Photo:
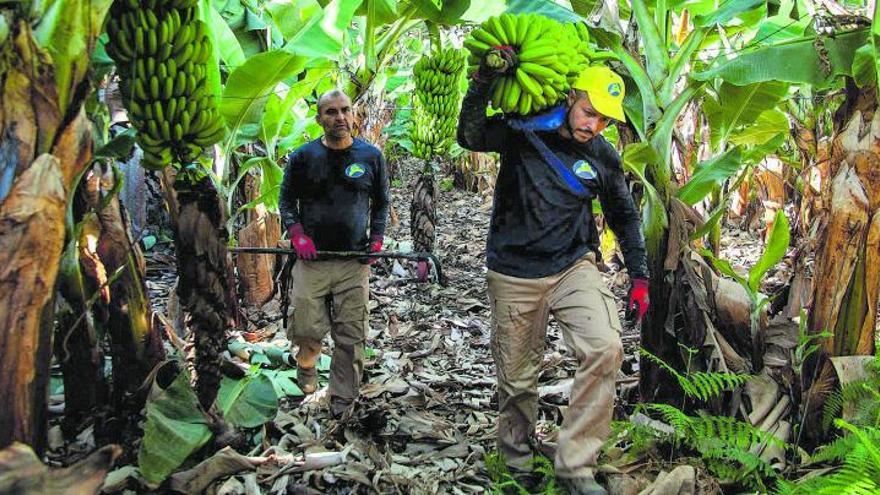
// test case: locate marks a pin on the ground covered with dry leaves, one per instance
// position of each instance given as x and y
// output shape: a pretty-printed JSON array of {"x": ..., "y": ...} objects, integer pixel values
[{"x": 426, "y": 417}]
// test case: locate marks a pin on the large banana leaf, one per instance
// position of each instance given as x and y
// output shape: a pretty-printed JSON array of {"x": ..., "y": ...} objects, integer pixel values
[
  {"x": 290, "y": 17},
  {"x": 785, "y": 25},
  {"x": 175, "y": 428},
  {"x": 656, "y": 52},
  {"x": 710, "y": 174},
  {"x": 875, "y": 42},
  {"x": 278, "y": 106},
  {"x": 384, "y": 11},
  {"x": 767, "y": 126},
  {"x": 797, "y": 61},
  {"x": 444, "y": 12},
  {"x": 636, "y": 157},
  {"x": 321, "y": 37},
  {"x": 248, "y": 402},
  {"x": 68, "y": 30},
  {"x": 738, "y": 106},
  {"x": 544, "y": 7},
  {"x": 249, "y": 86},
  {"x": 865, "y": 66},
  {"x": 777, "y": 244},
  {"x": 584, "y": 8},
  {"x": 481, "y": 10},
  {"x": 229, "y": 48},
  {"x": 727, "y": 11}
]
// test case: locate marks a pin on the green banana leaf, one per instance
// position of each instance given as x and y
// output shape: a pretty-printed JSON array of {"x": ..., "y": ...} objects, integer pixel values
[
  {"x": 443, "y": 12},
  {"x": 248, "y": 402},
  {"x": 543, "y": 7},
  {"x": 875, "y": 42},
  {"x": 796, "y": 61},
  {"x": 68, "y": 29},
  {"x": 769, "y": 124},
  {"x": 119, "y": 147},
  {"x": 738, "y": 106},
  {"x": 724, "y": 267},
  {"x": 584, "y": 8},
  {"x": 864, "y": 68},
  {"x": 175, "y": 428},
  {"x": 249, "y": 86},
  {"x": 227, "y": 44},
  {"x": 322, "y": 35},
  {"x": 656, "y": 51},
  {"x": 726, "y": 11},
  {"x": 481, "y": 10},
  {"x": 289, "y": 17},
  {"x": 385, "y": 11},
  {"x": 636, "y": 156},
  {"x": 710, "y": 174},
  {"x": 774, "y": 251},
  {"x": 277, "y": 111}
]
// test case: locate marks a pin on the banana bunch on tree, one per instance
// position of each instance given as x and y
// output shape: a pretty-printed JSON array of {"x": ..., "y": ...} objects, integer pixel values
[
  {"x": 435, "y": 113},
  {"x": 161, "y": 52},
  {"x": 435, "y": 116},
  {"x": 549, "y": 56}
]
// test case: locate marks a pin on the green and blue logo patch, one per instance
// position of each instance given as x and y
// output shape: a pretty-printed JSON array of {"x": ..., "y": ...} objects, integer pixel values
[
  {"x": 614, "y": 89},
  {"x": 583, "y": 169},
  {"x": 355, "y": 170}
]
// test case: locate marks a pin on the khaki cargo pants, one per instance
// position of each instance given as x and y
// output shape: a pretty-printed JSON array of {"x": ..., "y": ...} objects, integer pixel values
[
  {"x": 585, "y": 310},
  {"x": 346, "y": 282}
]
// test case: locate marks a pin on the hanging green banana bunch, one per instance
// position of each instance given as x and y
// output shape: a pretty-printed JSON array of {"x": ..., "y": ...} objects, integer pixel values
[
  {"x": 435, "y": 112},
  {"x": 550, "y": 56},
  {"x": 161, "y": 51}
]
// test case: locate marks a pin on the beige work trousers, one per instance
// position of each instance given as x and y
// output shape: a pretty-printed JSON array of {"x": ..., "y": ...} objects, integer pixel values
[
  {"x": 346, "y": 316},
  {"x": 585, "y": 310}
]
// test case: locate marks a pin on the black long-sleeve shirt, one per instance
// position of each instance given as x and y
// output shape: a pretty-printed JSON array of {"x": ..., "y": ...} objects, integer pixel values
[
  {"x": 333, "y": 194},
  {"x": 539, "y": 226}
]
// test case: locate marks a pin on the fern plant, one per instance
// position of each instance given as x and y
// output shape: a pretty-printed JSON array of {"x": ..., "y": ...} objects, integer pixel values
[
  {"x": 864, "y": 394},
  {"x": 725, "y": 443},
  {"x": 860, "y": 473},
  {"x": 504, "y": 483},
  {"x": 701, "y": 385}
]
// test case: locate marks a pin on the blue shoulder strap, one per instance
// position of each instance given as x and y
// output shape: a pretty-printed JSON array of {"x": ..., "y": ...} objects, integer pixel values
[{"x": 546, "y": 121}]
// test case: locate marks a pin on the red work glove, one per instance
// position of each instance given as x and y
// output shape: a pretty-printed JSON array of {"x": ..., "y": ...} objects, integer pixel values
[
  {"x": 638, "y": 299},
  {"x": 301, "y": 243},
  {"x": 422, "y": 270},
  {"x": 376, "y": 241}
]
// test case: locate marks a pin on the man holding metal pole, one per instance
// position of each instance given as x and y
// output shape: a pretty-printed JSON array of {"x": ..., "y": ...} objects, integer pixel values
[{"x": 334, "y": 197}]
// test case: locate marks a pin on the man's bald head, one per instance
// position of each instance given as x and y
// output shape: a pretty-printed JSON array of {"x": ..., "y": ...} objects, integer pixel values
[
  {"x": 335, "y": 115},
  {"x": 332, "y": 95}
]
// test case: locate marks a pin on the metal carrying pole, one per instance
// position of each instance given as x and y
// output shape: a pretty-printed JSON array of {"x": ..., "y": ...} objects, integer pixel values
[{"x": 328, "y": 255}]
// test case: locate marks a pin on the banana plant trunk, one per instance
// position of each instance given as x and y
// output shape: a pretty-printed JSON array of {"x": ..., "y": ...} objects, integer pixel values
[
  {"x": 136, "y": 343},
  {"x": 847, "y": 267},
  {"x": 205, "y": 284},
  {"x": 42, "y": 151},
  {"x": 423, "y": 212}
]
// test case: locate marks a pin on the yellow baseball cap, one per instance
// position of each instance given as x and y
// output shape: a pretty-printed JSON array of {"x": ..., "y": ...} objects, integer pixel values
[{"x": 605, "y": 89}]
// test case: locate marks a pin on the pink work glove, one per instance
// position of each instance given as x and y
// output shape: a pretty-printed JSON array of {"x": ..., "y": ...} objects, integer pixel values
[
  {"x": 301, "y": 243},
  {"x": 376, "y": 241},
  {"x": 638, "y": 299}
]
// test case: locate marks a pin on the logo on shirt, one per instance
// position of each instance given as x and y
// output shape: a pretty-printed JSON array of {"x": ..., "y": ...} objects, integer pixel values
[
  {"x": 583, "y": 169},
  {"x": 614, "y": 89},
  {"x": 355, "y": 170}
]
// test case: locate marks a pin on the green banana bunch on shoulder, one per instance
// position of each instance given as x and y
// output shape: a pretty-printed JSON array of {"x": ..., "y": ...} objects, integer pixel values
[{"x": 550, "y": 56}]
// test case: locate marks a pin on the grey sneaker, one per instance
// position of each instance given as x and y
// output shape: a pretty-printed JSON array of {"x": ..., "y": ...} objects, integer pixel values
[{"x": 582, "y": 486}]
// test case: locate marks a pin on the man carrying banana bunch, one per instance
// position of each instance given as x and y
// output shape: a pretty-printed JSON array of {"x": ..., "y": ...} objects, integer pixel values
[
  {"x": 334, "y": 191},
  {"x": 542, "y": 254}
]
